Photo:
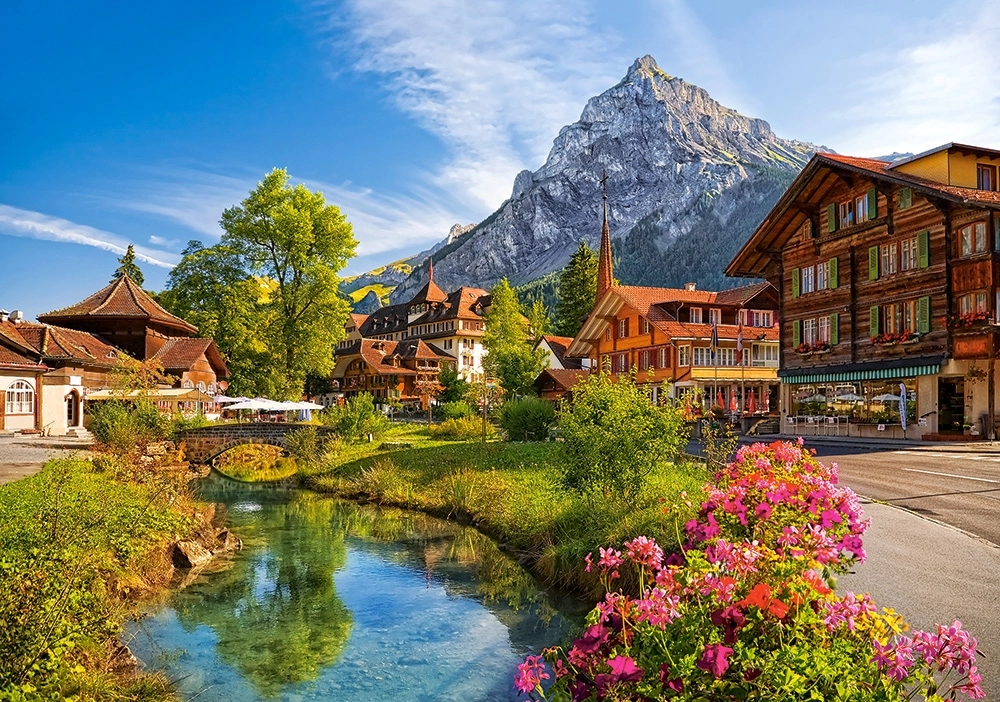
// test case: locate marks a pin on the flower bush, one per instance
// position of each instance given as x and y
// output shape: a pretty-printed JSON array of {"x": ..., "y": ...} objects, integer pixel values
[
  {"x": 746, "y": 610},
  {"x": 969, "y": 319}
]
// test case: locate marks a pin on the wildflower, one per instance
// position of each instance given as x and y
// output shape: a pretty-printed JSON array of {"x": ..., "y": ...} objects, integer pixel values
[
  {"x": 530, "y": 674},
  {"x": 587, "y": 560},
  {"x": 762, "y": 511},
  {"x": 730, "y": 619},
  {"x": 610, "y": 560},
  {"x": 672, "y": 684},
  {"x": 592, "y": 639},
  {"x": 715, "y": 659},
  {"x": 645, "y": 552}
]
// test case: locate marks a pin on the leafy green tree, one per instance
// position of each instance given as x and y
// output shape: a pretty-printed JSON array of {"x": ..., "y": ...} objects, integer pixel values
[
  {"x": 268, "y": 291},
  {"x": 614, "y": 437},
  {"x": 577, "y": 291},
  {"x": 128, "y": 267},
  {"x": 453, "y": 386},
  {"x": 510, "y": 357},
  {"x": 539, "y": 322}
]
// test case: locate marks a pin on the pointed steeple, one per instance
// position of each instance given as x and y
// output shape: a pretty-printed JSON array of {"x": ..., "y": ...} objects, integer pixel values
[
  {"x": 605, "y": 276},
  {"x": 430, "y": 269}
]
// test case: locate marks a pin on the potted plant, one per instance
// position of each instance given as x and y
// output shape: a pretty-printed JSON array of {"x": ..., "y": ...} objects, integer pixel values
[{"x": 803, "y": 349}]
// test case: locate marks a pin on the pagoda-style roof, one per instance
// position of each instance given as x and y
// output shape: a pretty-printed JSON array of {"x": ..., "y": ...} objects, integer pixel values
[{"x": 120, "y": 299}]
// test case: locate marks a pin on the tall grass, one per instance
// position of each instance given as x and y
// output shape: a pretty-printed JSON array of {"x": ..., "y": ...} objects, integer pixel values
[{"x": 512, "y": 492}]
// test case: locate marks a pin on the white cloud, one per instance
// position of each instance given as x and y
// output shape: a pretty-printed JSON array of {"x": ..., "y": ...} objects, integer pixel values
[
  {"x": 27, "y": 223},
  {"x": 942, "y": 89},
  {"x": 196, "y": 197},
  {"x": 495, "y": 80}
]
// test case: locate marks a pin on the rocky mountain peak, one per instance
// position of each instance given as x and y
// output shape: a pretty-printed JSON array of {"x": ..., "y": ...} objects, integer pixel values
[{"x": 681, "y": 168}]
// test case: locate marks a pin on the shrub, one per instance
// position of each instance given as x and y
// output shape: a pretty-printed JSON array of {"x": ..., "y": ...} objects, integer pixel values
[
  {"x": 179, "y": 422},
  {"x": 304, "y": 444},
  {"x": 747, "y": 610},
  {"x": 357, "y": 419},
  {"x": 460, "y": 430},
  {"x": 124, "y": 427},
  {"x": 458, "y": 409},
  {"x": 615, "y": 436},
  {"x": 527, "y": 419}
]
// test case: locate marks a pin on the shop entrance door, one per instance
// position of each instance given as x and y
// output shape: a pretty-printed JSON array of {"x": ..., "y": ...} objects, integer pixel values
[{"x": 951, "y": 404}]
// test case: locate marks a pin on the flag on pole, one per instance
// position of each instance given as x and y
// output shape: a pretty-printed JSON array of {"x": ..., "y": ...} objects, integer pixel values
[
  {"x": 739, "y": 344},
  {"x": 715, "y": 341}
]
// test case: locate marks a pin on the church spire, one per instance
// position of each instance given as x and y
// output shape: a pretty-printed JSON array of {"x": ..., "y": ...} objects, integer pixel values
[
  {"x": 430, "y": 269},
  {"x": 605, "y": 277}
]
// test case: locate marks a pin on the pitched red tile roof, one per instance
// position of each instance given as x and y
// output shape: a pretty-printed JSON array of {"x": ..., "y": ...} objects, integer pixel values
[
  {"x": 15, "y": 352},
  {"x": 737, "y": 297},
  {"x": 379, "y": 354},
  {"x": 122, "y": 298},
  {"x": 55, "y": 343},
  {"x": 181, "y": 353}
]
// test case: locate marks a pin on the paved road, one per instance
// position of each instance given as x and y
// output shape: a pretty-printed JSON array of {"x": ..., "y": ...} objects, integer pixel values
[
  {"x": 21, "y": 456},
  {"x": 960, "y": 488}
]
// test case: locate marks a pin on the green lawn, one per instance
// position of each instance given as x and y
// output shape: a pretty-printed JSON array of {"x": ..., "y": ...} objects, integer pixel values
[{"x": 512, "y": 492}]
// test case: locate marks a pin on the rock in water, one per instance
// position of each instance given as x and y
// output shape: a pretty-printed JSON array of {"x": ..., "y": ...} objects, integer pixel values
[
  {"x": 189, "y": 554},
  {"x": 688, "y": 181}
]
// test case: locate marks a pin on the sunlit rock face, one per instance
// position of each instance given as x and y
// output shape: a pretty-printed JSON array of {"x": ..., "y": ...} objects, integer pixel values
[{"x": 688, "y": 181}]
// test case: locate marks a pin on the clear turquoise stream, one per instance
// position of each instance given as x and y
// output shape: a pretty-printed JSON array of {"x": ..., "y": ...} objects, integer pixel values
[{"x": 330, "y": 600}]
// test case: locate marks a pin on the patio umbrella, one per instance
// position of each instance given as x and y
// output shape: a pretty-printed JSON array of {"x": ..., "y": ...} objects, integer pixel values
[
  {"x": 752, "y": 403},
  {"x": 258, "y": 403},
  {"x": 222, "y": 399},
  {"x": 767, "y": 402},
  {"x": 848, "y": 397},
  {"x": 887, "y": 397},
  {"x": 732, "y": 402},
  {"x": 718, "y": 397}
]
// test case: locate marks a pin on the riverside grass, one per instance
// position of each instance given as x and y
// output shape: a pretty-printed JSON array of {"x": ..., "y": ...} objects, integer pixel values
[
  {"x": 512, "y": 492},
  {"x": 78, "y": 546}
]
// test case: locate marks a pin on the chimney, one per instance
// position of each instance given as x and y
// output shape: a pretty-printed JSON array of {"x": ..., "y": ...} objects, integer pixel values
[
  {"x": 689, "y": 287},
  {"x": 3, "y": 315}
]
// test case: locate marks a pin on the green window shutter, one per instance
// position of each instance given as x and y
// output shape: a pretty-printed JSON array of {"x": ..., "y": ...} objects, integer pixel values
[
  {"x": 924, "y": 314},
  {"x": 924, "y": 249},
  {"x": 834, "y": 276},
  {"x": 873, "y": 322},
  {"x": 831, "y": 217},
  {"x": 996, "y": 233},
  {"x": 796, "y": 333},
  {"x": 872, "y": 204},
  {"x": 811, "y": 228},
  {"x": 872, "y": 262},
  {"x": 834, "y": 329},
  {"x": 905, "y": 198},
  {"x": 795, "y": 282}
]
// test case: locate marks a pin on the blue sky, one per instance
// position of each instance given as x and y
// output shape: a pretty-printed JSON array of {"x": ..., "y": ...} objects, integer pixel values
[{"x": 141, "y": 122}]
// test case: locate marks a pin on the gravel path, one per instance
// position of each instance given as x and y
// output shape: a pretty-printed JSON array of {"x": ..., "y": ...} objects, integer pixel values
[{"x": 21, "y": 456}]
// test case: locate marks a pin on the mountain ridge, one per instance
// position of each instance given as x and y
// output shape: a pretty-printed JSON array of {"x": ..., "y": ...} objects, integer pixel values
[{"x": 688, "y": 180}]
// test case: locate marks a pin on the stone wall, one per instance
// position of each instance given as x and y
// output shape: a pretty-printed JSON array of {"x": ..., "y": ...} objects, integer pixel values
[{"x": 204, "y": 444}]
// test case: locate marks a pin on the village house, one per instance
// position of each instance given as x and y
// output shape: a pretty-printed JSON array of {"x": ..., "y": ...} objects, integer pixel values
[
  {"x": 666, "y": 335},
  {"x": 449, "y": 324},
  {"x": 404, "y": 371},
  {"x": 49, "y": 368},
  {"x": 888, "y": 281}
]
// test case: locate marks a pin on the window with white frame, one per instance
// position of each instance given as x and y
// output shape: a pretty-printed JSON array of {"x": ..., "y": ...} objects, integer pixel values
[
  {"x": 644, "y": 326},
  {"x": 684, "y": 355},
  {"x": 644, "y": 358},
  {"x": 702, "y": 356},
  {"x": 808, "y": 279},
  {"x": 20, "y": 398},
  {"x": 694, "y": 315},
  {"x": 908, "y": 257},
  {"x": 622, "y": 363},
  {"x": 861, "y": 208},
  {"x": 744, "y": 317},
  {"x": 622, "y": 328},
  {"x": 973, "y": 238},
  {"x": 888, "y": 252},
  {"x": 607, "y": 334},
  {"x": 823, "y": 330},
  {"x": 726, "y": 357},
  {"x": 823, "y": 275},
  {"x": 662, "y": 361},
  {"x": 809, "y": 331},
  {"x": 715, "y": 316},
  {"x": 765, "y": 355},
  {"x": 762, "y": 318}
]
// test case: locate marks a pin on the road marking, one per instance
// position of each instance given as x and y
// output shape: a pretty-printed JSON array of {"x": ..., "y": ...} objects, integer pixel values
[
  {"x": 959, "y": 455},
  {"x": 950, "y": 475}
]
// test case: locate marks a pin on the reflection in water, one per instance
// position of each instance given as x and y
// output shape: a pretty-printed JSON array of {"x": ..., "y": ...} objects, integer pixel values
[{"x": 332, "y": 600}]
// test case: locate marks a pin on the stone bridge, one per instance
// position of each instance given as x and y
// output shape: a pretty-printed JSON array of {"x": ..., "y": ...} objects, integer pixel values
[{"x": 206, "y": 443}]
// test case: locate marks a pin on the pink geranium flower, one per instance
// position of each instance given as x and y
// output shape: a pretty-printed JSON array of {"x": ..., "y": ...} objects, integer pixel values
[{"x": 715, "y": 659}]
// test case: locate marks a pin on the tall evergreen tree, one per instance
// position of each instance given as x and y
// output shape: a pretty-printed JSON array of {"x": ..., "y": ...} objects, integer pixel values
[
  {"x": 577, "y": 291},
  {"x": 509, "y": 354},
  {"x": 128, "y": 267}
]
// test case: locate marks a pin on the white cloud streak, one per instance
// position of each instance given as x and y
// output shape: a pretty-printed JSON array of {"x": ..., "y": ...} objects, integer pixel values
[
  {"x": 495, "y": 80},
  {"x": 36, "y": 225},
  {"x": 940, "y": 90}
]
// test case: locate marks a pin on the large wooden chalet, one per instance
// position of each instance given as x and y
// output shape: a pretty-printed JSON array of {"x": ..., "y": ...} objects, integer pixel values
[
  {"x": 666, "y": 335},
  {"x": 888, "y": 280}
]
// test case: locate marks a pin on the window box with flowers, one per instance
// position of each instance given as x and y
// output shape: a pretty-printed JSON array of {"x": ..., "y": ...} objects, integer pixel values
[
  {"x": 884, "y": 340},
  {"x": 902, "y": 338},
  {"x": 821, "y": 347},
  {"x": 970, "y": 319},
  {"x": 803, "y": 349}
]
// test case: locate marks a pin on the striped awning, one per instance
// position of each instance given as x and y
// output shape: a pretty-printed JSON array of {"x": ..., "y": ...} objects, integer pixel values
[{"x": 870, "y": 371}]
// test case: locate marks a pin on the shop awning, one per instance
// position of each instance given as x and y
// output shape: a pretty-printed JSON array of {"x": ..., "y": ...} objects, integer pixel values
[
  {"x": 156, "y": 395},
  {"x": 875, "y": 370}
]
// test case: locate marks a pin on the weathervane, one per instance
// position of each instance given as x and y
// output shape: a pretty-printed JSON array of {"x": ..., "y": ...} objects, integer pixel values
[{"x": 604, "y": 183}]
